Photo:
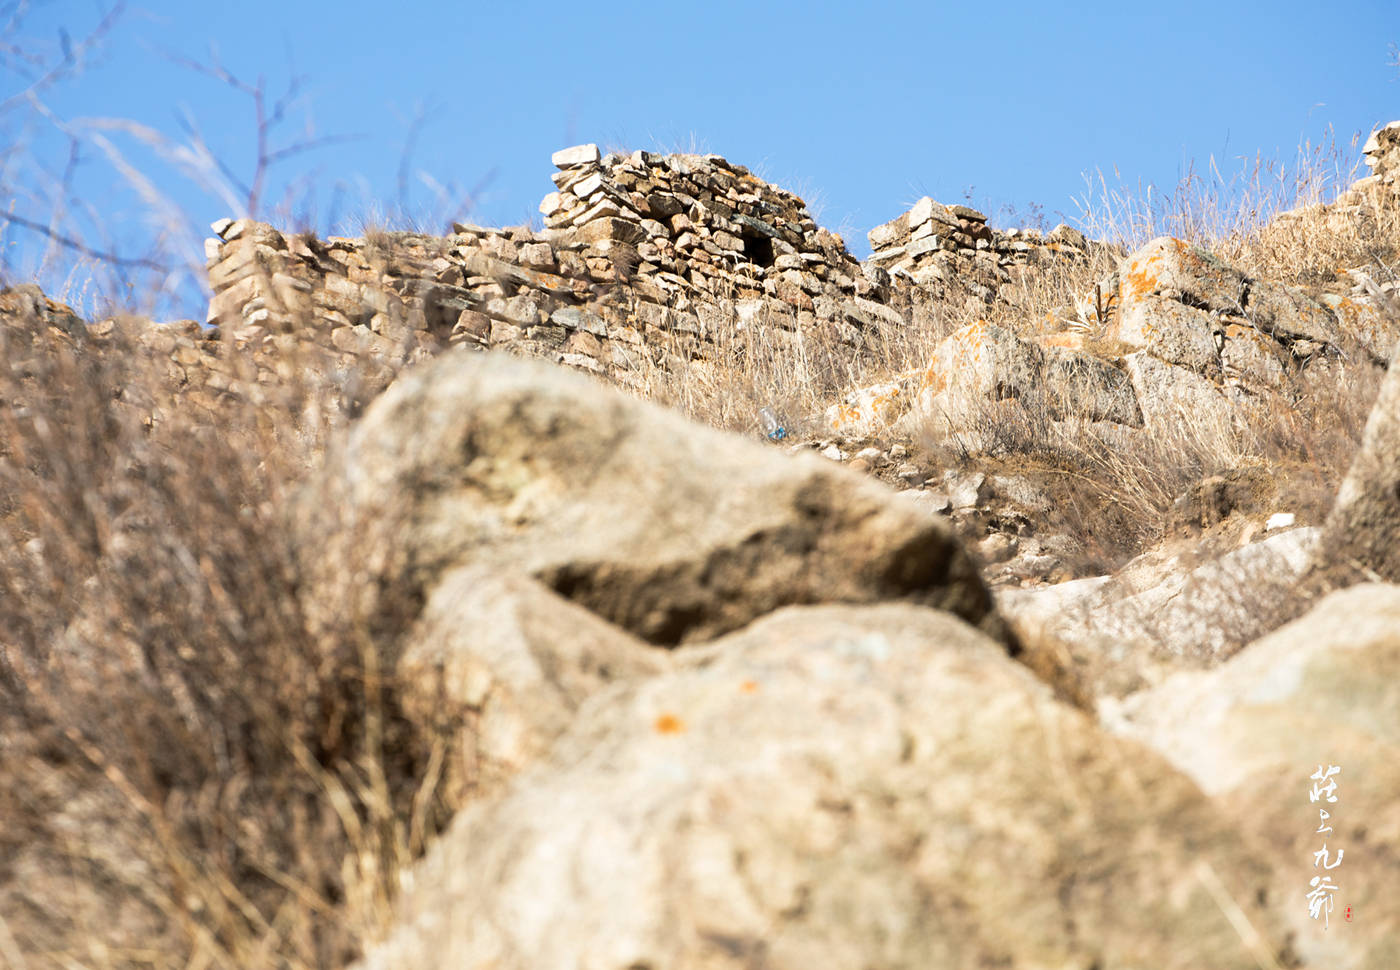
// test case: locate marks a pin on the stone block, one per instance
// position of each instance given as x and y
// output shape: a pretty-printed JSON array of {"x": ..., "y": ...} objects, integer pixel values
[{"x": 577, "y": 155}]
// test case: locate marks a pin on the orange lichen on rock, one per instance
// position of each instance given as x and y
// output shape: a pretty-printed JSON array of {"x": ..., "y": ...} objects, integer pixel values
[
  {"x": 669, "y": 724},
  {"x": 1142, "y": 273}
]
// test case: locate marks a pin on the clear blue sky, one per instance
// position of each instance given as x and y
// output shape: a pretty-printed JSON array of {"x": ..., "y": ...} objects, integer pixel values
[{"x": 859, "y": 107}]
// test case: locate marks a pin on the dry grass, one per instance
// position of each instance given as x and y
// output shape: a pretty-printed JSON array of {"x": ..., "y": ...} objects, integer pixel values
[
  {"x": 196, "y": 772},
  {"x": 1114, "y": 493}
]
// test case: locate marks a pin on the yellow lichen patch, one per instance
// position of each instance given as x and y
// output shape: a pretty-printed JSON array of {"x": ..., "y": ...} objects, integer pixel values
[
  {"x": 1140, "y": 278},
  {"x": 669, "y": 724},
  {"x": 749, "y": 687}
]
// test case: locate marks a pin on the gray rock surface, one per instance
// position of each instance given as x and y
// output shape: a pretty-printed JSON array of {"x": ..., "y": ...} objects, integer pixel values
[
  {"x": 1363, "y": 529},
  {"x": 1162, "y": 612}
]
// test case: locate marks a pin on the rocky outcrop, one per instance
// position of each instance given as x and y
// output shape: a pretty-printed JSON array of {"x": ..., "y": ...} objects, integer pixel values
[
  {"x": 1164, "y": 611},
  {"x": 840, "y": 786},
  {"x": 672, "y": 532},
  {"x": 1180, "y": 335},
  {"x": 1321, "y": 691}
]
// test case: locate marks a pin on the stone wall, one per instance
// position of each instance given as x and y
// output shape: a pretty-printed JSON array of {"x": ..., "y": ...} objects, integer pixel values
[
  {"x": 932, "y": 245},
  {"x": 644, "y": 261}
]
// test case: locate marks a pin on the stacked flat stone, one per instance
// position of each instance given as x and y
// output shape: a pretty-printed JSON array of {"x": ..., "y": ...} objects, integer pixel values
[
  {"x": 1382, "y": 153},
  {"x": 697, "y": 220},
  {"x": 644, "y": 257},
  {"x": 932, "y": 245}
]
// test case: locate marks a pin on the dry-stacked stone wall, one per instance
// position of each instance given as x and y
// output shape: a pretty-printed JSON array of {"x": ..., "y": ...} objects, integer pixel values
[
  {"x": 644, "y": 259},
  {"x": 934, "y": 245},
  {"x": 1382, "y": 155}
]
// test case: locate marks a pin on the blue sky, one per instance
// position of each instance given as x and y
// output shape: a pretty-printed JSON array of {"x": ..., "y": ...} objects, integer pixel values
[{"x": 860, "y": 107}]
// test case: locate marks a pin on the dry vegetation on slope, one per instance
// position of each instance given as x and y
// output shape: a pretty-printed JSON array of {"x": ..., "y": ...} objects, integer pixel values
[
  {"x": 201, "y": 770},
  {"x": 196, "y": 773},
  {"x": 199, "y": 773}
]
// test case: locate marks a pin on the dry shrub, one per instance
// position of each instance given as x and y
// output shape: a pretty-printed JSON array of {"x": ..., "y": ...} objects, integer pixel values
[
  {"x": 194, "y": 772},
  {"x": 763, "y": 361},
  {"x": 1272, "y": 219}
]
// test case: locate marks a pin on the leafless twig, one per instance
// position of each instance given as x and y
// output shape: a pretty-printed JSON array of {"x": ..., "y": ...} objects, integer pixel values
[
  {"x": 72, "y": 61},
  {"x": 79, "y": 247}
]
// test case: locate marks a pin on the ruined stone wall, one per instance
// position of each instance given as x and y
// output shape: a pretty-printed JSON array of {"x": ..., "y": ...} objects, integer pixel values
[
  {"x": 932, "y": 245},
  {"x": 644, "y": 261}
]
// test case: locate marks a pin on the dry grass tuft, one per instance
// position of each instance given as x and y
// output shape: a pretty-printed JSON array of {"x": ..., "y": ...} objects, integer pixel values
[{"x": 195, "y": 773}]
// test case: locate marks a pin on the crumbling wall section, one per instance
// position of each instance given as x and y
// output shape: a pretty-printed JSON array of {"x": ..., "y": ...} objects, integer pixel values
[{"x": 644, "y": 261}]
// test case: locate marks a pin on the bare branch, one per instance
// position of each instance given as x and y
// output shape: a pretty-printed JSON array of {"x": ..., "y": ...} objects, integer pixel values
[
  {"x": 79, "y": 247},
  {"x": 60, "y": 197},
  {"x": 282, "y": 154},
  {"x": 72, "y": 61}
]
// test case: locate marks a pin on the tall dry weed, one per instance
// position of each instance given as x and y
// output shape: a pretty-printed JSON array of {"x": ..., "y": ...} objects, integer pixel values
[{"x": 194, "y": 772}]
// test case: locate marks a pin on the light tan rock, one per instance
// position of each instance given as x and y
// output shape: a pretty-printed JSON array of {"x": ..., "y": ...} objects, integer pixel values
[
  {"x": 1321, "y": 691},
  {"x": 982, "y": 367},
  {"x": 670, "y": 530},
  {"x": 843, "y": 787},
  {"x": 578, "y": 155},
  {"x": 1363, "y": 529},
  {"x": 1289, "y": 314},
  {"x": 1169, "y": 331},
  {"x": 1172, "y": 268},
  {"x": 514, "y": 660},
  {"x": 1176, "y": 399}
]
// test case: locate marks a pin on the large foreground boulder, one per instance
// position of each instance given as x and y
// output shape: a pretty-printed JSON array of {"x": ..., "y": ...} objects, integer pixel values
[
  {"x": 1322, "y": 691},
  {"x": 502, "y": 664},
  {"x": 840, "y": 787},
  {"x": 674, "y": 532}
]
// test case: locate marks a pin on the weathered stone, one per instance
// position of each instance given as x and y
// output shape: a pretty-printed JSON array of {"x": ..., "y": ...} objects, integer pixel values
[
  {"x": 581, "y": 487},
  {"x": 1363, "y": 528},
  {"x": 1170, "y": 331},
  {"x": 519, "y": 656},
  {"x": 578, "y": 155},
  {"x": 1172, "y": 397},
  {"x": 1289, "y": 314},
  {"x": 937, "y": 807},
  {"x": 1253, "y": 357},
  {"x": 1171, "y": 268},
  {"x": 574, "y": 318},
  {"x": 870, "y": 409},
  {"x": 1319, "y": 692},
  {"x": 609, "y": 228}
]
